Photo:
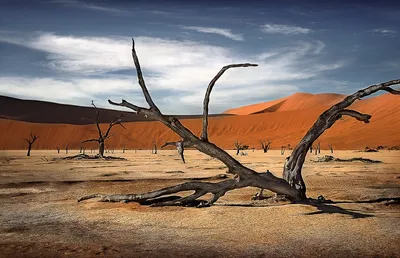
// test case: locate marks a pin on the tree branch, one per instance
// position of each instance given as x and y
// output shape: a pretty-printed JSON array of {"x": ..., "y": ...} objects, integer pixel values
[
  {"x": 116, "y": 121},
  {"x": 141, "y": 80},
  {"x": 293, "y": 166},
  {"x": 90, "y": 140},
  {"x": 393, "y": 91},
  {"x": 204, "y": 134},
  {"x": 97, "y": 119},
  {"x": 357, "y": 115}
]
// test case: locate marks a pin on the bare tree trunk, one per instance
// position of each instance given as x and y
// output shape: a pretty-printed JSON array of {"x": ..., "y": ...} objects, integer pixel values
[
  {"x": 30, "y": 142},
  {"x": 331, "y": 147},
  {"x": 154, "y": 149},
  {"x": 29, "y": 149},
  {"x": 101, "y": 148}
]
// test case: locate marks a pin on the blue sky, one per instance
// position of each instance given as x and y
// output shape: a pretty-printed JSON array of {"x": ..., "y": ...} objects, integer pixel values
[{"x": 76, "y": 51}]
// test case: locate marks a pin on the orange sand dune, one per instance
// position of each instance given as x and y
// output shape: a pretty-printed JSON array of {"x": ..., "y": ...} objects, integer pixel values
[
  {"x": 297, "y": 101},
  {"x": 284, "y": 127}
]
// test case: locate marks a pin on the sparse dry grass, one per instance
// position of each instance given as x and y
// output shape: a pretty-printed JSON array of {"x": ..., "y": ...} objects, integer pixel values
[{"x": 40, "y": 217}]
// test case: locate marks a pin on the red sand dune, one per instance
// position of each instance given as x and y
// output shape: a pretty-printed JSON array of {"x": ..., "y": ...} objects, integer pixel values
[
  {"x": 297, "y": 101},
  {"x": 287, "y": 124}
]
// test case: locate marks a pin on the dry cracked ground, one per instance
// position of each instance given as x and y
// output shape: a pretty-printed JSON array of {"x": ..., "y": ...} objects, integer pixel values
[{"x": 40, "y": 216}]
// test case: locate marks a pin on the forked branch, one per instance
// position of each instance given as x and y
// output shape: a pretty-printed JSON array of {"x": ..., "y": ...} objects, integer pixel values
[{"x": 204, "y": 134}]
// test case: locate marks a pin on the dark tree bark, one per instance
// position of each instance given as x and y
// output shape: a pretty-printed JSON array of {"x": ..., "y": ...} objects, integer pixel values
[
  {"x": 58, "y": 149},
  {"x": 30, "y": 142},
  {"x": 102, "y": 137},
  {"x": 265, "y": 145},
  {"x": 291, "y": 185}
]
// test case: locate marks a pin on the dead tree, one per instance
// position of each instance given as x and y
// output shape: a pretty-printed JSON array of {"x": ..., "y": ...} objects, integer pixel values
[
  {"x": 283, "y": 148},
  {"x": 66, "y": 149},
  {"x": 330, "y": 147},
  {"x": 102, "y": 137},
  {"x": 291, "y": 185},
  {"x": 58, "y": 149},
  {"x": 180, "y": 146},
  {"x": 319, "y": 147},
  {"x": 30, "y": 142},
  {"x": 265, "y": 145},
  {"x": 154, "y": 149},
  {"x": 123, "y": 149},
  {"x": 239, "y": 147}
]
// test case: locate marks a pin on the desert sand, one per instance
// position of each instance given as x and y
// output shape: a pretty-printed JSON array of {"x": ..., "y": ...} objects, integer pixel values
[
  {"x": 40, "y": 216},
  {"x": 285, "y": 123}
]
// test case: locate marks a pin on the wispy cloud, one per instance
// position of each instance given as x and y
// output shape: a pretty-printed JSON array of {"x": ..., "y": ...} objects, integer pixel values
[
  {"x": 385, "y": 32},
  {"x": 94, "y": 66},
  {"x": 223, "y": 32},
  {"x": 284, "y": 29},
  {"x": 91, "y": 6}
]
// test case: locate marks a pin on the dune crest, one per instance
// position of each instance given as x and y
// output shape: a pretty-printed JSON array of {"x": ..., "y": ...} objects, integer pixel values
[{"x": 297, "y": 101}]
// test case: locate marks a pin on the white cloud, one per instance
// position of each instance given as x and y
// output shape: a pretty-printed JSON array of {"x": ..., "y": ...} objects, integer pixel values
[
  {"x": 284, "y": 29},
  {"x": 95, "y": 7},
  {"x": 223, "y": 32},
  {"x": 181, "y": 69},
  {"x": 384, "y": 31}
]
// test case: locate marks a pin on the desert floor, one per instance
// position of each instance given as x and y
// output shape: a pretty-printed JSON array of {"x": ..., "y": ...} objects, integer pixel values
[{"x": 40, "y": 217}]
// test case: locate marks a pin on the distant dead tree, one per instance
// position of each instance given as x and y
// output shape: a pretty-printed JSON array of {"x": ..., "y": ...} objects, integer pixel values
[
  {"x": 30, "y": 142},
  {"x": 58, "y": 149},
  {"x": 102, "y": 137},
  {"x": 154, "y": 149},
  {"x": 180, "y": 146},
  {"x": 311, "y": 149},
  {"x": 123, "y": 149},
  {"x": 291, "y": 185},
  {"x": 283, "y": 148},
  {"x": 265, "y": 145},
  {"x": 330, "y": 147},
  {"x": 66, "y": 149},
  {"x": 319, "y": 147},
  {"x": 239, "y": 147}
]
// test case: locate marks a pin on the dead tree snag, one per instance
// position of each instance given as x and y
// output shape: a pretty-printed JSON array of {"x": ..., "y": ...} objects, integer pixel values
[
  {"x": 291, "y": 185},
  {"x": 239, "y": 146},
  {"x": 330, "y": 147},
  {"x": 265, "y": 145},
  {"x": 283, "y": 148},
  {"x": 154, "y": 149},
  {"x": 102, "y": 137},
  {"x": 30, "y": 142},
  {"x": 180, "y": 146}
]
